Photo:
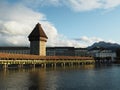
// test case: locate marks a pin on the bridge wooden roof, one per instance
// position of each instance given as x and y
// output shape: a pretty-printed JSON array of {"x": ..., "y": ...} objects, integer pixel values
[{"x": 7, "y": 56}]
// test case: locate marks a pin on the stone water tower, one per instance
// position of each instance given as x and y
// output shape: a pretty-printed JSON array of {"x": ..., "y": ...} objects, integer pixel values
[{"x": 38, "y": 40}]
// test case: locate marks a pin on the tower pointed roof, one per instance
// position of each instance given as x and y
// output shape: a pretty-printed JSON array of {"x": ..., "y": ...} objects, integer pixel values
[{"x": 38, "y": 32}]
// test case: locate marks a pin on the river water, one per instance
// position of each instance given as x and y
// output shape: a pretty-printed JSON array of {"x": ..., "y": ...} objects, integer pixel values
[{"x": 88, "y": 77}]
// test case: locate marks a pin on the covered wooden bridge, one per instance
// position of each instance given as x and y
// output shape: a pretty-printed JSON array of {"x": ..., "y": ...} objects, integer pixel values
[{"x": 22, "y": 60}]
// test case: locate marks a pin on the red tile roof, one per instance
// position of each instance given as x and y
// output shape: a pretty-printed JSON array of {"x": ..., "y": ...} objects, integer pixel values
[{"x": 36, "y": 57}]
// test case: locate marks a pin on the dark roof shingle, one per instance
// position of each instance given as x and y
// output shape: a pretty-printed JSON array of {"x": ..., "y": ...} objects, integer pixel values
[{"x": 38, "y": 32}]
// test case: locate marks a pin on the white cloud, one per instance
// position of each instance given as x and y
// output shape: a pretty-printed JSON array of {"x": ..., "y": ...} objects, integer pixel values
[
  {"x": 90, "y": 40},
  {"x": 87, "y": 5},
  {"x": 41, "y": 3},
  {"x": 111, "y": 3},
  {"x": 83, "y": 5},
  {"x": 76, "y": 5},
  {"x": 18, "y": 21}
]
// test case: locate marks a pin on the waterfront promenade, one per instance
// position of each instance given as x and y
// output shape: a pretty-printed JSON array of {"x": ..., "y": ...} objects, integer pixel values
[{"x": 20, "y": 60}]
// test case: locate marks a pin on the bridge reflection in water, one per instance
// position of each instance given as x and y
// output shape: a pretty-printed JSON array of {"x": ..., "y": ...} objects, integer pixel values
[
  {"x": 83, "y": 77},
  {"x": 37, "y": 78}
]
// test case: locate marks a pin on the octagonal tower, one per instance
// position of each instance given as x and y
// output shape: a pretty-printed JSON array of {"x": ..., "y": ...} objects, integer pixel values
[{"x": 38, "y": 40}]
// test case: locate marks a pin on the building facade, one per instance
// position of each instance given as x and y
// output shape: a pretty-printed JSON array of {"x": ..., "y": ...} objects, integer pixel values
[
  {"x": 60, "y": 51},
  {"x": 103, "y": 54},
  {"x": 15, "y": 50},
  {"x": 81, "y": 52},
  {"x": 50, "y": 51},
  {"x": 106, "y": 54}
]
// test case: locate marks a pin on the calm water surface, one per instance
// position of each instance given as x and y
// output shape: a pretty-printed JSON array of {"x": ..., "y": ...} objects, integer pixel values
[{"x": 89, "y": 77}]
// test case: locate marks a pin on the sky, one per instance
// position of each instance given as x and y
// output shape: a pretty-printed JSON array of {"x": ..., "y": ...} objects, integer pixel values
[{"x": 73, "y": 23}]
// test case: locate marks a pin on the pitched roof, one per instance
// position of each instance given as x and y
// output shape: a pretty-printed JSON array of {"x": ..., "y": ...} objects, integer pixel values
[
  {"x": 38, "y": 32},
  {"x": 7, "y": 56}
]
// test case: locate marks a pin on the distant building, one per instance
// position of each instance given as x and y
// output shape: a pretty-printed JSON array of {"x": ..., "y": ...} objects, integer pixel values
[
  {"x": 81, "y": 52},
  {"x": 15, "y": 50},
  {"x": 50, "y": 51},
  {"x": 60, "y": 51},
  {"x": 102, "y": 53},
  {"x": 106, "y": 54}
]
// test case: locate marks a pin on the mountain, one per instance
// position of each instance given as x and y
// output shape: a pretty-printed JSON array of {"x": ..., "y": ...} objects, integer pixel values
[{"x": 105, "y": 45}]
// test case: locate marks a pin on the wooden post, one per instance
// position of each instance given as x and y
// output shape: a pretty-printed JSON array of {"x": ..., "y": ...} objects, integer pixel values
[
  {"x": 55, "y": 65},
  {"x": 5, "y": 66},
  {"x": 72, "y": 64},
  {"x": 41, "y": 64},
  {"x": 63, "y": 64},
  {"x": 20, "y": 66},
  {"x": 33, "y": 65},
  {"x": 44, "y": 65}
]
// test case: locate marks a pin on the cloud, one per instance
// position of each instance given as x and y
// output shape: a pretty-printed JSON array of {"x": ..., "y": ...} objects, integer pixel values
[
  {"x": 111, "y": 4},
  {"x": 88, "y": 5},
  {"x": 17, "y": 21},
  {"x": 40, "y": 3},
  {"x": 90, "y": 40},
  {"x": 56, "y": 39},
  {"x": 76, "y": 5},
  {"x": 83, "y": 5}
]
